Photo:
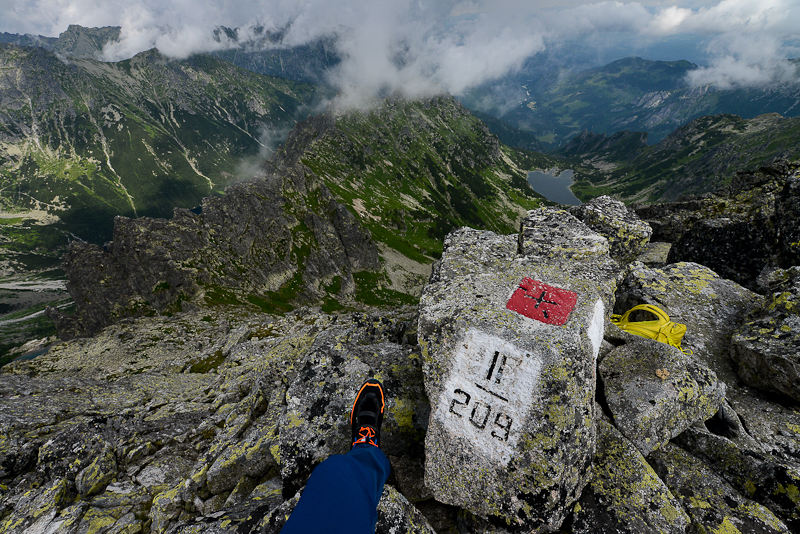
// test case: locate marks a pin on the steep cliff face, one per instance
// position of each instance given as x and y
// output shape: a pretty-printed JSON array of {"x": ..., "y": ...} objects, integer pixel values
[
  {"x": 85, "y": 43},
  {"x": 76, "y": 41}
]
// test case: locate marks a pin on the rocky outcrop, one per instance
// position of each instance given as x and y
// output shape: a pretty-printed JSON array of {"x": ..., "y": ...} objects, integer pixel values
[
  {"x": 87, "y": 43},
  {"x": 711, "y": 307},
  {"x": 271, "y": 239},
  {"x": 738, "y": 231},
  {"x": 766, "y": 350},
  {"x": 510, "y": 332},
  {"x": 752, "y": 442},
  {"x": 211, "y": 419},
  {"x": 756, "y": 475},
  {"x": 201, "y": 425},
  {"x": 788, "y": 222},
  {"x": 738, "y": 250},
  {"x": 628, "y": 236},
  {"x": 712, "y": 504}
]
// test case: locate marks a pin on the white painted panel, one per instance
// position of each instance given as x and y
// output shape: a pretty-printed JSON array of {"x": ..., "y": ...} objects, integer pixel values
[
  {"x": 488, "y": 393},
  {"x": 597, "y": 327}
]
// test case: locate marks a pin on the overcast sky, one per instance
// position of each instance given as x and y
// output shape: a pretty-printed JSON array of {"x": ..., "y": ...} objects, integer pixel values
[{"x": 433, "y": 45}]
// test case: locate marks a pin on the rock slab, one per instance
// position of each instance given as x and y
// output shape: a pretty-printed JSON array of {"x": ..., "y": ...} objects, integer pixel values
[
  {"x": 625, "y": 495},
  {"x": 766, "y": 349}
]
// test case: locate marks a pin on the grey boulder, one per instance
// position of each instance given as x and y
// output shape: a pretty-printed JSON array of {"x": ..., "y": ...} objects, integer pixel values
[
  {"x": 766, "y": 349},
  {"x": 655, "y": 392},
  {"x": 627, "y": 234}
]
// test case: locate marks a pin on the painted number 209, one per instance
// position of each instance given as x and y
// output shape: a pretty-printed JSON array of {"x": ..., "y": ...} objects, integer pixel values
[{"x": 480, "y": 414}]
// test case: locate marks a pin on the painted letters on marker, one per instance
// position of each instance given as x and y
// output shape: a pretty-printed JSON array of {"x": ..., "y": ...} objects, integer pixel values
[{"x": 488, "y": 393}]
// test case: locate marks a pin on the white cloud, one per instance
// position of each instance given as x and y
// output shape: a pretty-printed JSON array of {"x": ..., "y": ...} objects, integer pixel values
[
  {"x": 747, "y": 41},
  {"x": 667, "y": 21},
  {"x": 746, "y": 16},
  {"x": 421, "y": 46},
  {"x": 745, "y": 61},
  {"x": 603, "y": 17}
]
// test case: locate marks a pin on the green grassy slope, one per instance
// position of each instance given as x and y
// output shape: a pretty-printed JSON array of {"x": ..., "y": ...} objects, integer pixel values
[
  {"x": 86, "y": 140},
  {"x": 412, "y": 171},
  {"x": 700, "y": 157}
]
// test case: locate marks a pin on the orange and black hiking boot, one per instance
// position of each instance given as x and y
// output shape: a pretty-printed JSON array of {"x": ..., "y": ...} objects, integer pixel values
[{"x": 366, "y": 416}]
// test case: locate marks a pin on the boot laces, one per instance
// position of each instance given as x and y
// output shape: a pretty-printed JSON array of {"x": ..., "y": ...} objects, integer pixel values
[{"x": 366, "y": 434}]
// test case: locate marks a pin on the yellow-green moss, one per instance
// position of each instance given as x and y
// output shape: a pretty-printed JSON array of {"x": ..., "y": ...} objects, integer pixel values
[
  {"x": 726, "y": 527},
  {"x": 403, "y": 412},
  {"x": 95, "y": 520}
]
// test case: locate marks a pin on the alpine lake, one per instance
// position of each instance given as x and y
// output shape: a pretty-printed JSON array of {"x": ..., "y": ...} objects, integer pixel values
[{"x": 554, "y": 187}]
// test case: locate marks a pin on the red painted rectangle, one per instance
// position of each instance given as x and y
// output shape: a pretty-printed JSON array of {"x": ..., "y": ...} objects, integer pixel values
[{"x": 541, "y": 302}]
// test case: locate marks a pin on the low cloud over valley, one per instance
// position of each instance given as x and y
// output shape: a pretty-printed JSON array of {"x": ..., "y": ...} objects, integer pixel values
[{"x": 426, "y": 47}]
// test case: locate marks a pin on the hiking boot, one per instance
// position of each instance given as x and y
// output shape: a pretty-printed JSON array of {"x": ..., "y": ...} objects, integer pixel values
[{"x": 366, "y": 416}]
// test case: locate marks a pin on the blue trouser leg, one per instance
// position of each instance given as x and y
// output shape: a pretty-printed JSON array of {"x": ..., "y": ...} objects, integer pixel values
[{"x": 342, "y": 494}]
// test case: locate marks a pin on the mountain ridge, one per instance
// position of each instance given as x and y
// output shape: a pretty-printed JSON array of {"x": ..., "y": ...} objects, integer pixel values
[
  {"x": 348, "y": 214},
  {"x": 697, "y": 158},
  {"x": 163, "y": 124}
]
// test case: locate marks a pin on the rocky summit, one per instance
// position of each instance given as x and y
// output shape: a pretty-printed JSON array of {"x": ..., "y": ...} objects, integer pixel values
[{"x": 514, "y": 404}]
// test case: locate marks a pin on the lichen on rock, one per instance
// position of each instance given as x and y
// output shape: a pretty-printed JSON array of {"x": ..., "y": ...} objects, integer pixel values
[
  {"x": 754, "y": 473},
  {"x": 625, "y": 494},
  {"x": 766, "y": 349},
  {"x": 627, "y": 235},
  {"x": 712, "y": 504},
  {"x": 655, "y": 392}
]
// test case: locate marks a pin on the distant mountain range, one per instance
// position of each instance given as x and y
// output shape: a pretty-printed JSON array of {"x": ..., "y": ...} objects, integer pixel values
[
  {"x": 76, "y": 41},
  {"x": 263, "y": 53},
  {"x": 540, "y": 107},
  {"x": 351, "y": 212},
  {"x": 630, "y": 94},
  {"x": 87, "y": 140}
]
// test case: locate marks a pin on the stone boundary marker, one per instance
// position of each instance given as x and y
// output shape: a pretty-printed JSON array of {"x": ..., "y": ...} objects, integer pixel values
[{"x": 510, "y": 328}]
